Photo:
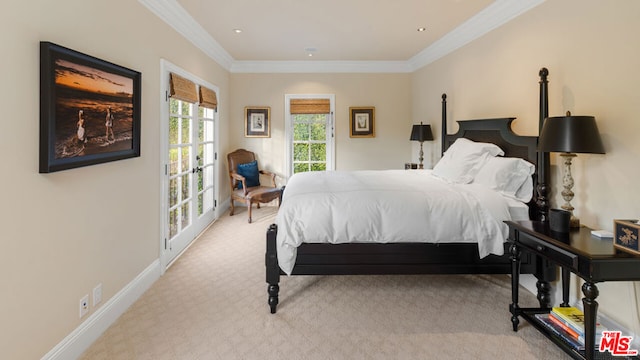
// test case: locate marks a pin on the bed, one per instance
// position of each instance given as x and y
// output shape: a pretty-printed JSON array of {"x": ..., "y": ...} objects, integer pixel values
[{"x": 400, "y": 250}]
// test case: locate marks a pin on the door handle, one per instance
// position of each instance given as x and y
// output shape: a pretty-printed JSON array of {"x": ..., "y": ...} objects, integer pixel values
[{"x": 197, "y": 168}]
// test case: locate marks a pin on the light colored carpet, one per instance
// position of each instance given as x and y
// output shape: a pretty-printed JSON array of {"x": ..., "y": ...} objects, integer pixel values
[{"x": 212, "y": 304}]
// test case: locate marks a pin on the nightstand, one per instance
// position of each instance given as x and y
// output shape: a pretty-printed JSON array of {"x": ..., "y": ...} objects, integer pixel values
[{"x": 592, "y": 259}]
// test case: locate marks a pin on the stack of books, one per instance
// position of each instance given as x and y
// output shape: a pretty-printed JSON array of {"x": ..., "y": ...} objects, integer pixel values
[{"x": 568, "y": 323}]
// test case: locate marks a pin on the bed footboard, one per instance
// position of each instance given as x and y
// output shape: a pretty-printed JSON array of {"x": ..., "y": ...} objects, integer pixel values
[{"x": 273, "y": 270}]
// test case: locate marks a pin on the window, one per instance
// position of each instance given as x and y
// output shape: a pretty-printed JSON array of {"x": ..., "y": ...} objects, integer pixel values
[
  {"x": 310, "y": 142},
  {"x": 309, "y": 133}
]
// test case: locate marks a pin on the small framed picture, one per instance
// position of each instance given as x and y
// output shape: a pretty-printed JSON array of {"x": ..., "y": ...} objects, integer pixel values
[
  {"x": 362, "y": 121},
  {"x": 257, "y": 121}
]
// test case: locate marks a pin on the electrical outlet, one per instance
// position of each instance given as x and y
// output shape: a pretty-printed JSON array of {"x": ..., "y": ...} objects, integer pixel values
[
  {"x": 97, "y": 294},
  {"x": 84, "y": 306}
]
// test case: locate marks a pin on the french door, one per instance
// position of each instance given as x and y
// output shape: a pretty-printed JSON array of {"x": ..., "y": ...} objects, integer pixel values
[{"x": 189, "y": 175}]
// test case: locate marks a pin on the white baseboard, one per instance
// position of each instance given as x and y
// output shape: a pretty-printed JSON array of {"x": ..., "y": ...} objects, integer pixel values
[
  {"x": 222, "y": 207},
  {"x": 79, "y": 340}
]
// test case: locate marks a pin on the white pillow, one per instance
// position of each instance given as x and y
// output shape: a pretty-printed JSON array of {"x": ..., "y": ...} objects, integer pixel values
[
  {"x": 463, "y": 159},
  {"x": 525, "y": 192},
  {"x": 509, "y": 176}
]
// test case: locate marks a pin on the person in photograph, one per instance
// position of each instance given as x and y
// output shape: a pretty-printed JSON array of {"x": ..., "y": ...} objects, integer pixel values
[
  {"x": 257, "y": 122},
  {"x": 362, "y": 121},
  {"x": 81, "y": 132},
  {"x": 109, "y": 125}
]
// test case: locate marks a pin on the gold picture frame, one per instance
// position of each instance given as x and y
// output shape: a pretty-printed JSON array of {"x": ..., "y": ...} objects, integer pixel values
[
  {"x": 362, "y": 121},
  {"x": 257, "y": 121}
]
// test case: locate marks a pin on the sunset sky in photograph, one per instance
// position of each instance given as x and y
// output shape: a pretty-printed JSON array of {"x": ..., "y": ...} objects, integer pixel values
[{"x": 91, "y": 79}]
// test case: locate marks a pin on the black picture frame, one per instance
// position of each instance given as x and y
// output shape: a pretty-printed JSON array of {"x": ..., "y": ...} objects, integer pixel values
[
  {"x": 362, "y": 121},
  {"x": 257, "y": 121},
  {"x": 80, "y": 96}
]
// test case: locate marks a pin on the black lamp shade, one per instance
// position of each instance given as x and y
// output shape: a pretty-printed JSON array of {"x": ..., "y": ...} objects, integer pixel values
[
  {"x": 421, "y": 133},
  {"x": 570, "y": 134}
]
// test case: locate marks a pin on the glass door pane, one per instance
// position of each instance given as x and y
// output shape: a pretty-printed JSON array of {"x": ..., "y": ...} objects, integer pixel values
[{"x": 180, "y": 170}]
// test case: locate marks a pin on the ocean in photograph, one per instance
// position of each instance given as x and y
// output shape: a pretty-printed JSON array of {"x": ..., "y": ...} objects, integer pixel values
[{"x": 80, "y": 138}]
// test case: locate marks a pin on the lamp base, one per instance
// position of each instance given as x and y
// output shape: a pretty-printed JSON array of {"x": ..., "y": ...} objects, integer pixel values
[{"x": 567, "y": 194}]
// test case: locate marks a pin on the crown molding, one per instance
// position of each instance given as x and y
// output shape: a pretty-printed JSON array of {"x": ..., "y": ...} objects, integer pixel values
[
  {"x": 493, "y": 16},
  {"x": 177, "y": 17},
  {"x": 320, "y": 67}
]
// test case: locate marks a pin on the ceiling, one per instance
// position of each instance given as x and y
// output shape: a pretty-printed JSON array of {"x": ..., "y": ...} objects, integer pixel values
[
  {"x": 362, "y": 32},
  {"x": 346, "y": 30}
]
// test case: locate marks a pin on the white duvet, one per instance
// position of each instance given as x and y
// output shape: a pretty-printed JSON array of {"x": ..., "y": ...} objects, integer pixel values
[{"x": 387, "y": 206}]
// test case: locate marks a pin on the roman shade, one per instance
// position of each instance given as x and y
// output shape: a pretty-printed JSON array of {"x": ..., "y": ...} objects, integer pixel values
[
  {"x": 208, "y": 98},
  {"x": 182, "y": 89},
  {"x": 309, "y": 106}
]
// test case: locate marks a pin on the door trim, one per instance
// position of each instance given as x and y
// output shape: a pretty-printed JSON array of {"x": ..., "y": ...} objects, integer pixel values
[{"x": 167, "y": 67}]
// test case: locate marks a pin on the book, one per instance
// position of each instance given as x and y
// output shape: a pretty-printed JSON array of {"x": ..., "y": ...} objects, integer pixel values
[
  {"x": 574, "y": 318},
  {"x": 555, "y": 329},
  {"x": 602, "y": 234},
  {"x": 572, "y": 332},
  {"x": 564, "y": 326}
]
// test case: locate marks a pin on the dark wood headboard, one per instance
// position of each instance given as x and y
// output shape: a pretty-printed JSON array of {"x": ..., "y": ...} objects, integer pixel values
[{"x": 498, "y": 131}]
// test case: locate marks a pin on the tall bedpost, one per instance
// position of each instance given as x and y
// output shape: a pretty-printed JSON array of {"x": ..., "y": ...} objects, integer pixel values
[
  {"x": 545, "y": 270},
  {"x": 443, "y": 125},
  {"x": 542, "y": 201},
  {"x": 273, "y": 269}
]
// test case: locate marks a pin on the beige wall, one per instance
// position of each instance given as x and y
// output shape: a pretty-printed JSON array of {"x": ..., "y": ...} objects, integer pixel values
[
  {"x": 62, "y": 233},
  {"x": 65, "y": 232},
  {"x": 591, "y": 50},
  {"x": 389, "y": 93}
]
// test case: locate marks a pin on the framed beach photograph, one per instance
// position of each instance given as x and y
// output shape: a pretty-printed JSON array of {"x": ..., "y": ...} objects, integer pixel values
[
  {"x": 257, "y": 121},
  {"x": 89, "y": 110},
  {"x": 362, "y": 121}
]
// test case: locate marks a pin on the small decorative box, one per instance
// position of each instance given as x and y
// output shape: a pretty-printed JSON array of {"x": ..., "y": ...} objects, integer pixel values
[{"x": 626, "y": 235}]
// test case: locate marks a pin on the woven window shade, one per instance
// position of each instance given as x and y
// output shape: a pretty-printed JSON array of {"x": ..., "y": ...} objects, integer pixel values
[
  {"x": 309, "y": 106},
  {"x": 208, "y": 98},
  {"x": 183, "y": 89}
]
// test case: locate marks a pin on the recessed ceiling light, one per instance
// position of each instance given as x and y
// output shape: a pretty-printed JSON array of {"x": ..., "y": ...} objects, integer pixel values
[
  {"x": 310, "y": 51},
  {"x": 237, "y": 31},
  {"x": 421, "y": 29}
]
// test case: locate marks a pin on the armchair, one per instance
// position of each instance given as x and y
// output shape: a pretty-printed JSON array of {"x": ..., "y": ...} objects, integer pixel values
[{"x": 244, "y": 178}]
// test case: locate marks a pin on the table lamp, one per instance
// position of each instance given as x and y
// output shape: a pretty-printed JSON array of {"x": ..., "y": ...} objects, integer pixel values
[
  {"x": 421, "y": 133},
  {"x": 569, "y": 135}
]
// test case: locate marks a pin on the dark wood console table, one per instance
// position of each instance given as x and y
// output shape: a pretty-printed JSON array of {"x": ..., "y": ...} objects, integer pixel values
[{"x": 592, "y": 259}]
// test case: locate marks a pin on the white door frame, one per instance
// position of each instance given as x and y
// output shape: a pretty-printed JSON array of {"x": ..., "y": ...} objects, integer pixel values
[{"x": 166, "y": 67}]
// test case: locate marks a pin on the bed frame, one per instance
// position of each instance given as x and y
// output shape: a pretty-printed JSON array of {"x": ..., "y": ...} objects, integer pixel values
[{"x": 425, "y": 258}]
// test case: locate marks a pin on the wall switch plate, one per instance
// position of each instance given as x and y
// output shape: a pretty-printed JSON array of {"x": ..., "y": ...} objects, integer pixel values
[
  {"x": 97, "y": 294},
  {"x": 84, "y": 306}
]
